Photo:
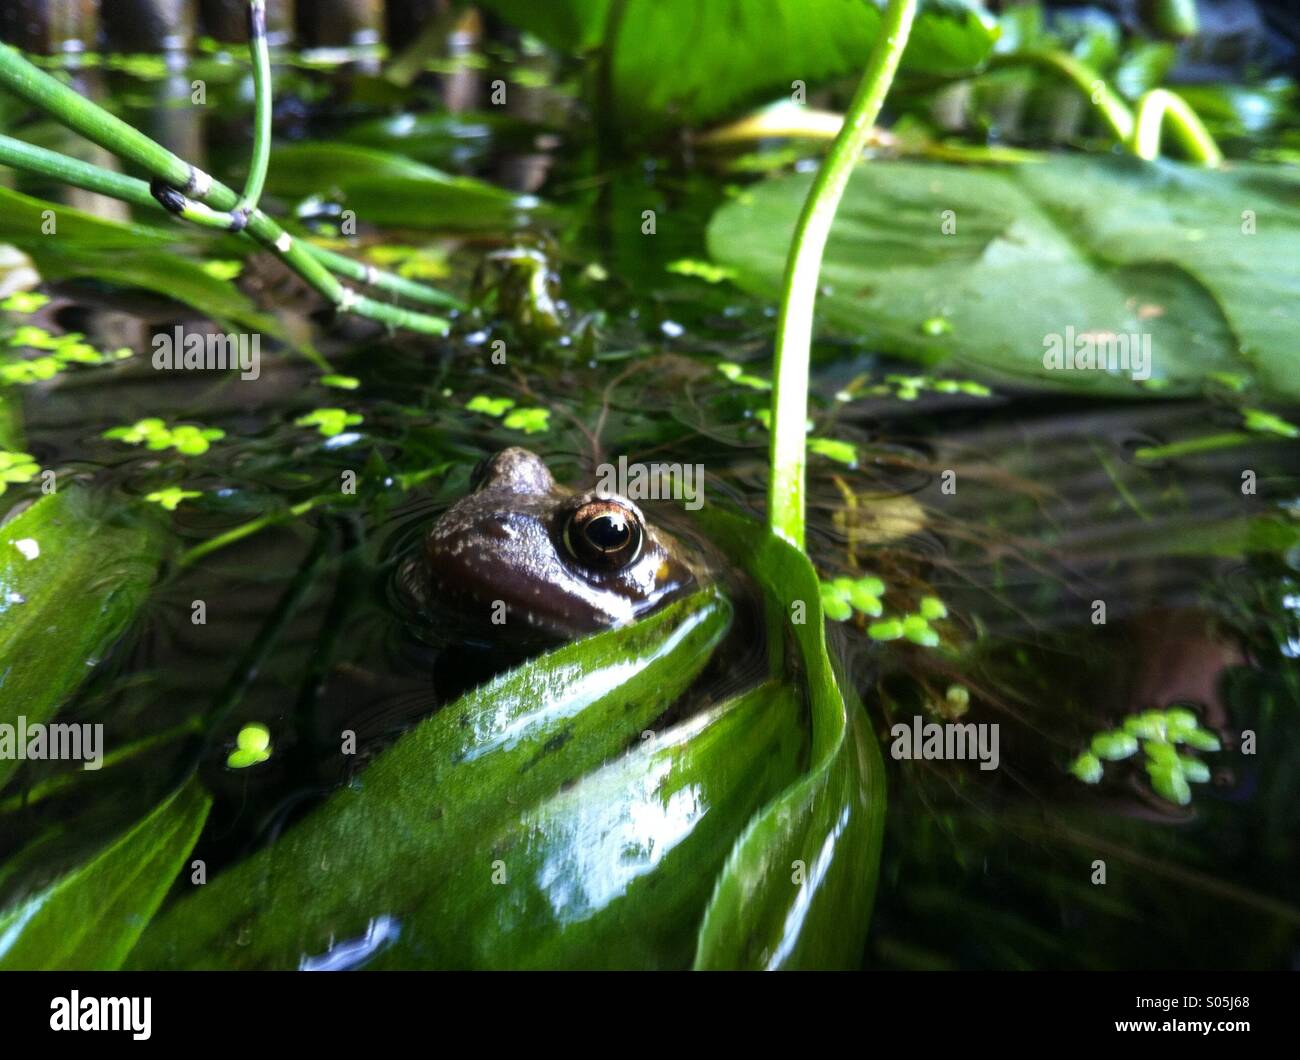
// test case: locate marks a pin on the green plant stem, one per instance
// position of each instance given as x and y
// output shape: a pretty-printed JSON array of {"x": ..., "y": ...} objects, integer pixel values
[
  {"x": 1113, "y": 109},
  {"x": 1141, "y": 134},
  {"x": 261, "y": 57},
  {"x": 785, "y": 498},
  {"x": 171, "y": 172},
  {"x": 244, "y": 530},
  {"x": 79, "y": 174},
  {"x": 1153, "y": 109}
]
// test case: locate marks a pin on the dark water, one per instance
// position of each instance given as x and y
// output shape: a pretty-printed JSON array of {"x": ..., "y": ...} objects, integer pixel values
[{"x": 303, "y": 632}]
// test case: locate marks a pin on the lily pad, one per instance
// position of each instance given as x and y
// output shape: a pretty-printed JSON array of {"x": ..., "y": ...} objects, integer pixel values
[{"x": 1200, "y": 263}]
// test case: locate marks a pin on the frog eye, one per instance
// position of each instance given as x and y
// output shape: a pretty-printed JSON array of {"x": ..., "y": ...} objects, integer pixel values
[{"x": 604, "y": 534}]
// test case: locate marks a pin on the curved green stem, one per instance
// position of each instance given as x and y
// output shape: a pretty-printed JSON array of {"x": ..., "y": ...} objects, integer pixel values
[
  {"x": 1113, "y": 109},
  {"x": 785, "y": 500},
  {"x": 1153, "y": 109},
  {"x": 1140, "y": 134}
]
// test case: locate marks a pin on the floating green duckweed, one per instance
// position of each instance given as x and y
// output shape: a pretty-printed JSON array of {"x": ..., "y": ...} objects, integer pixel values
[
  {"x": 252, "y": 746},
  {"x": 1087, "y": 767},
  {"x": 172, "y": 496},
  {"x": 886, "y": 629},
  {"x": 330, "y": 422},
  {"x": 64, "y": 350},
  {"x": 842, "y": 596},
  {"x": 24, "y": 302},
  {"x": 16, "y": 468},
  {"x": 933, "y": 608},
  {"x": 154, "y": 433},
  {"x": 490, "y": 406},
  {"x": 530, "y": 421},
  {"x": 340, "y": 382},
  {"x": 1157, "y": 733}
]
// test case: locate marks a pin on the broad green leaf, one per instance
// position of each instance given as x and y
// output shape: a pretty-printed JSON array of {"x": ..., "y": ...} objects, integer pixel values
[
  {"x": 573, "y": 25},
  {"x": 134, "y": 255},
  {"x": 377, "y": 847},
  {"x": 384, "y": 188},
  {"x": 26, "y": 222},
  {"x": 693, "y": 60},
  {"x": 165, "y": 273},
  {"x": 1016, "y": 256},
  {"x": 798, "y": 887},
  {"x": 614, "y": 872},
  {"x": 90, "y": 918},
  {"x": 70, "y": 581}
]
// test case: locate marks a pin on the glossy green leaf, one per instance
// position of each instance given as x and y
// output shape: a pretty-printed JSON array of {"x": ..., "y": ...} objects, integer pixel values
[
  {"x": 384, "y": 188},
  {"x": 162, "y": 272},
  {"x": 615, "y": 871},
  {"x": 797, "y": 889},
  {"x": 28, "y": 222},
  {"x": 377, "y": 847},
  {"x": 90, "y": 918},
  {"x": 1201, "y": 261},
  {"x": 693, "y": 60},
  {"x": 70, "y": 581}
]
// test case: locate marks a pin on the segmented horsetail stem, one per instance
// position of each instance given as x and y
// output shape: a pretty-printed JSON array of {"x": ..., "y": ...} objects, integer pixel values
[
  {"x": 200, "y": 199},
  {"x": 65, "y": 170}
]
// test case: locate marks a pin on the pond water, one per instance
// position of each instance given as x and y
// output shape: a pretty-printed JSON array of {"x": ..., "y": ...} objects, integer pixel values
[{"x": 612, "y": 348}]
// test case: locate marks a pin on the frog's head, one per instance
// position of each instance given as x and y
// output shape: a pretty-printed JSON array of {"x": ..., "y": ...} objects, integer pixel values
[{"x": 521, "y": 549}]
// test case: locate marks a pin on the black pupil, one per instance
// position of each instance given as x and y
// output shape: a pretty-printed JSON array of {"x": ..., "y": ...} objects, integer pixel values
[{"x": 607, "y": 532}]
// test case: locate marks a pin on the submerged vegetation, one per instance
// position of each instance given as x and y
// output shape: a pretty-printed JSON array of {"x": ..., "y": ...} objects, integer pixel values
[{"x": 979, "y": 329}]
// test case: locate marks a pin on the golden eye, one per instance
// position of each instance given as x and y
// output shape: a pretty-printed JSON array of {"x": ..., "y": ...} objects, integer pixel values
[{"x": 604, "y": 534}]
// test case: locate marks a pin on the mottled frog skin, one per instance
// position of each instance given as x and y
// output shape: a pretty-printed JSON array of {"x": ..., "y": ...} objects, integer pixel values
[{"x": 522, "y": 557}]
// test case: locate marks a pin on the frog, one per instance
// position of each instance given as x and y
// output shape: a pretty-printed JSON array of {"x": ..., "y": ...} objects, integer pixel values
[{"x": 526, "y": 558}]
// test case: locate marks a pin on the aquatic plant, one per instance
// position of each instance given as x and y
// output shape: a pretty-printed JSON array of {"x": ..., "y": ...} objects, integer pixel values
[{"x": 194, "y": 196}]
